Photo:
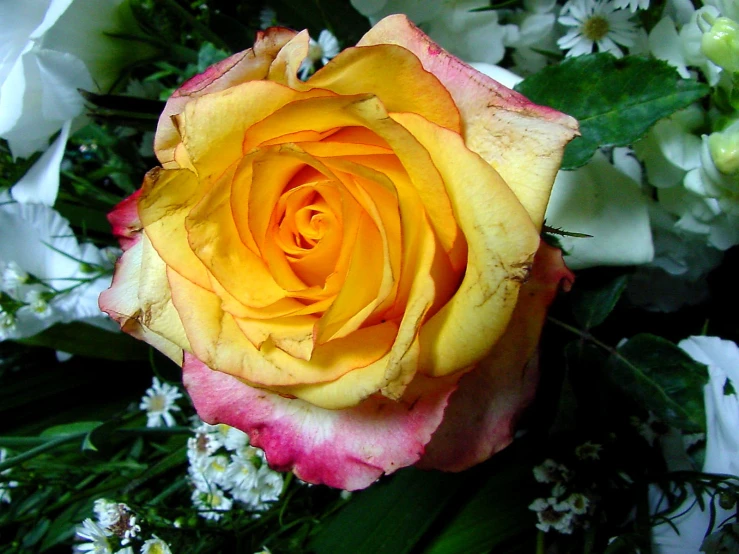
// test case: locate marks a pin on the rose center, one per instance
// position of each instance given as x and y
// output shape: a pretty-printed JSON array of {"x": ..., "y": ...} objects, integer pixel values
[{"x": 595, "y": 28}]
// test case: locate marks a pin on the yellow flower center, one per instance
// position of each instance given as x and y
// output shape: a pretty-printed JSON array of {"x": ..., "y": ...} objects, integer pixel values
[
  {"x": 157, "y": 403},
  {"x": 595, "y": 28}
]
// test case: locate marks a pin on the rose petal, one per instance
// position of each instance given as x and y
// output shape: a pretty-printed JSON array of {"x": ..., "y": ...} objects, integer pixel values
[
  {"x": 249, "y": 65},
  {"x": 124, "y": 219},
  {"x": 498, "y": 260},
  {"x": 481, "y": 416},
  {"x": 521, "y": 140},
  {"x": 122, "y": 303},
  {"x": 348, "y": 449}
]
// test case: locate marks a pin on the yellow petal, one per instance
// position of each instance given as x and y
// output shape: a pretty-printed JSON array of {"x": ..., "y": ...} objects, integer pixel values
[
  {"x": 522, "y": 141},
  {"x": 166, "y": 200},
  {"x": 501, "y": 242}
]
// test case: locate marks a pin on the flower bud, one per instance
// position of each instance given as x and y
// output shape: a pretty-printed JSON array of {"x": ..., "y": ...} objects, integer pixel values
[
  {"x": 720, "y": 43},
  {"x": 724, "y": 147}
]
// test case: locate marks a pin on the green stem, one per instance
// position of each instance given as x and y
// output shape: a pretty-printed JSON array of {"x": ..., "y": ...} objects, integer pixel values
[
  {"x": 582, "y": 334},
  {"x": 33, "y": 452}
]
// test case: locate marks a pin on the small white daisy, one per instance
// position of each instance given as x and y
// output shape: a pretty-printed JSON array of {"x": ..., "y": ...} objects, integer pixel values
[
  {"x": 211, "y": 504},
  {"x": 552, "y": 515},
  {"x": 577, "y": 503},
  {"x": 95, "y": 536},
  {"x": 8, "y": 324},
  {"x": 550, "y": 471},
  {"x": 324, "y": 49},
  {"x": 158, "y": 402},
  {"x": 37, "y": 303},
  {"x": 633, "y": 5},
  {"x": 595, "y": 23},
  {"x": 107, "y": 512},
  {"x": 155, "y": 545}
]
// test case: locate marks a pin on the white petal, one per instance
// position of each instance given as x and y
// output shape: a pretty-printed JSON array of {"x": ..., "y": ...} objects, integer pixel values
[
  {"x": 601, "y": 201},
  {"x": 40, "y": 184}
]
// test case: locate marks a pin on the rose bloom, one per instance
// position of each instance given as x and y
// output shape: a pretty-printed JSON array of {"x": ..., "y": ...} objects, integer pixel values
[{"x": 345, "y": 267}]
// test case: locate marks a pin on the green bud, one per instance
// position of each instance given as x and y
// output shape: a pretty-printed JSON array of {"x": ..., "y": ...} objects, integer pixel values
[
  {"x": 726, "y": 500},
  {"x": 720, "y": 43},
  {"x": 724, "y": 148}
]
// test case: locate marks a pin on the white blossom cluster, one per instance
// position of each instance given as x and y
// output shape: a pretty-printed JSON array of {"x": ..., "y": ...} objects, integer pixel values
[
  {"x": 113, "y": 530},
  {"x": 564, "y": 509},
  {"x": 224, "y": 469}
]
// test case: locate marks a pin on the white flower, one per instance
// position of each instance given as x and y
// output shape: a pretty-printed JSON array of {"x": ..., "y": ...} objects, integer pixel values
[
  {"x": 96, "y": 537},
  {"x": 155, "y": 545},
  {"x": 577, "y": 503},
  {"x": 37, "y": 241},
  {"x": 211, "y": 504},
  {"x": 50, "y": 50},
  {"x": 552, "y": 515},
  {"x": 107, "y": 512},
  {"x": 595, "y": 23},
  {"x": 600, "y": 200},
  {"x": 37, "y": 303},
  {"x": 323, "y": 50},
  {"x": 537, "y": 32},
  {"x": 722, "y": 447},
  {"x": 158, "y": 401},
  {"x": 721, "y": 396},
  {"x": 588, "y": 451},
  {"x": 550, "y": 471},
  {"x": 633, "y": 5},
  {"x": 5, "y": 486}
]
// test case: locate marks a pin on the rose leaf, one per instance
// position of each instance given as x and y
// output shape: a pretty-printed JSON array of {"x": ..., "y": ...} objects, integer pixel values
[
  {"x": 663, "y": 379},
  {"x": 615, "y": 100}
]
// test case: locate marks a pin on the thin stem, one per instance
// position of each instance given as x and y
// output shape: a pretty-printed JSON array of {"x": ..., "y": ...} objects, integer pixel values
[{"x": 33, "y": 452}]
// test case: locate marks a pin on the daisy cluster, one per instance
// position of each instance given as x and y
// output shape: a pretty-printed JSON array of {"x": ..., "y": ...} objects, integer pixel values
[
  {"x": 224, "y": 468},
  {"x": 564, "y": 508},
  {"x": 114, "y": 530},
  {"x": 46, "y": 275}
]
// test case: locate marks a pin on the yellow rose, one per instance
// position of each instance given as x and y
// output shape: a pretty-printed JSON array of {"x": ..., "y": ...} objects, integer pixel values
[{"x": 326, "y": 259}]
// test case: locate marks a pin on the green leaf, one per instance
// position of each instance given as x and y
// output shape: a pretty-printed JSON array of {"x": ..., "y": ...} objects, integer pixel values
[
  {"x": 663, "y": 379},
  {"x": 390, "y": 516},
  {"x": 497, "y": 515},
  {"x": 74, "y": 428},
  {"x": 85, "y": 340},
  {"x": 593, "y": 301},
  {"x": 615, "y": 100}
]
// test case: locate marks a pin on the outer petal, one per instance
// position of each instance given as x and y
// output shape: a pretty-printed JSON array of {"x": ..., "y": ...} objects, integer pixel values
[
  {"x": 123, "y": 302},
  {"x": 348, "y": 449},
  {"x": 124, "y": 219},
  {"x": 524, "y": 142},
  {"x": 482, "y": 413},
  {"x": 248, "y": 65}
]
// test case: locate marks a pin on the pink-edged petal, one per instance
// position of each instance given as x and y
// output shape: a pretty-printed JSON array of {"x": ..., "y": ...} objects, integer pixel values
[
  {"x": 124, "y": 219},
  {"x": 249, "y": 65},
  {"x": 482, "y": 414},
  {"x": 523, "y": 141},
  {"x": 347, "y": 449}
]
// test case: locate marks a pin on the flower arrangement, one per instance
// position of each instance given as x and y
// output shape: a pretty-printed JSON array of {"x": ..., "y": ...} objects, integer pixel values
[{"x": 385, "y": 276}]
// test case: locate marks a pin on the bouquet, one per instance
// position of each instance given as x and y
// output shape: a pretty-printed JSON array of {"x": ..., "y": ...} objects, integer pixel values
[{"x": 377, "y": 276}]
